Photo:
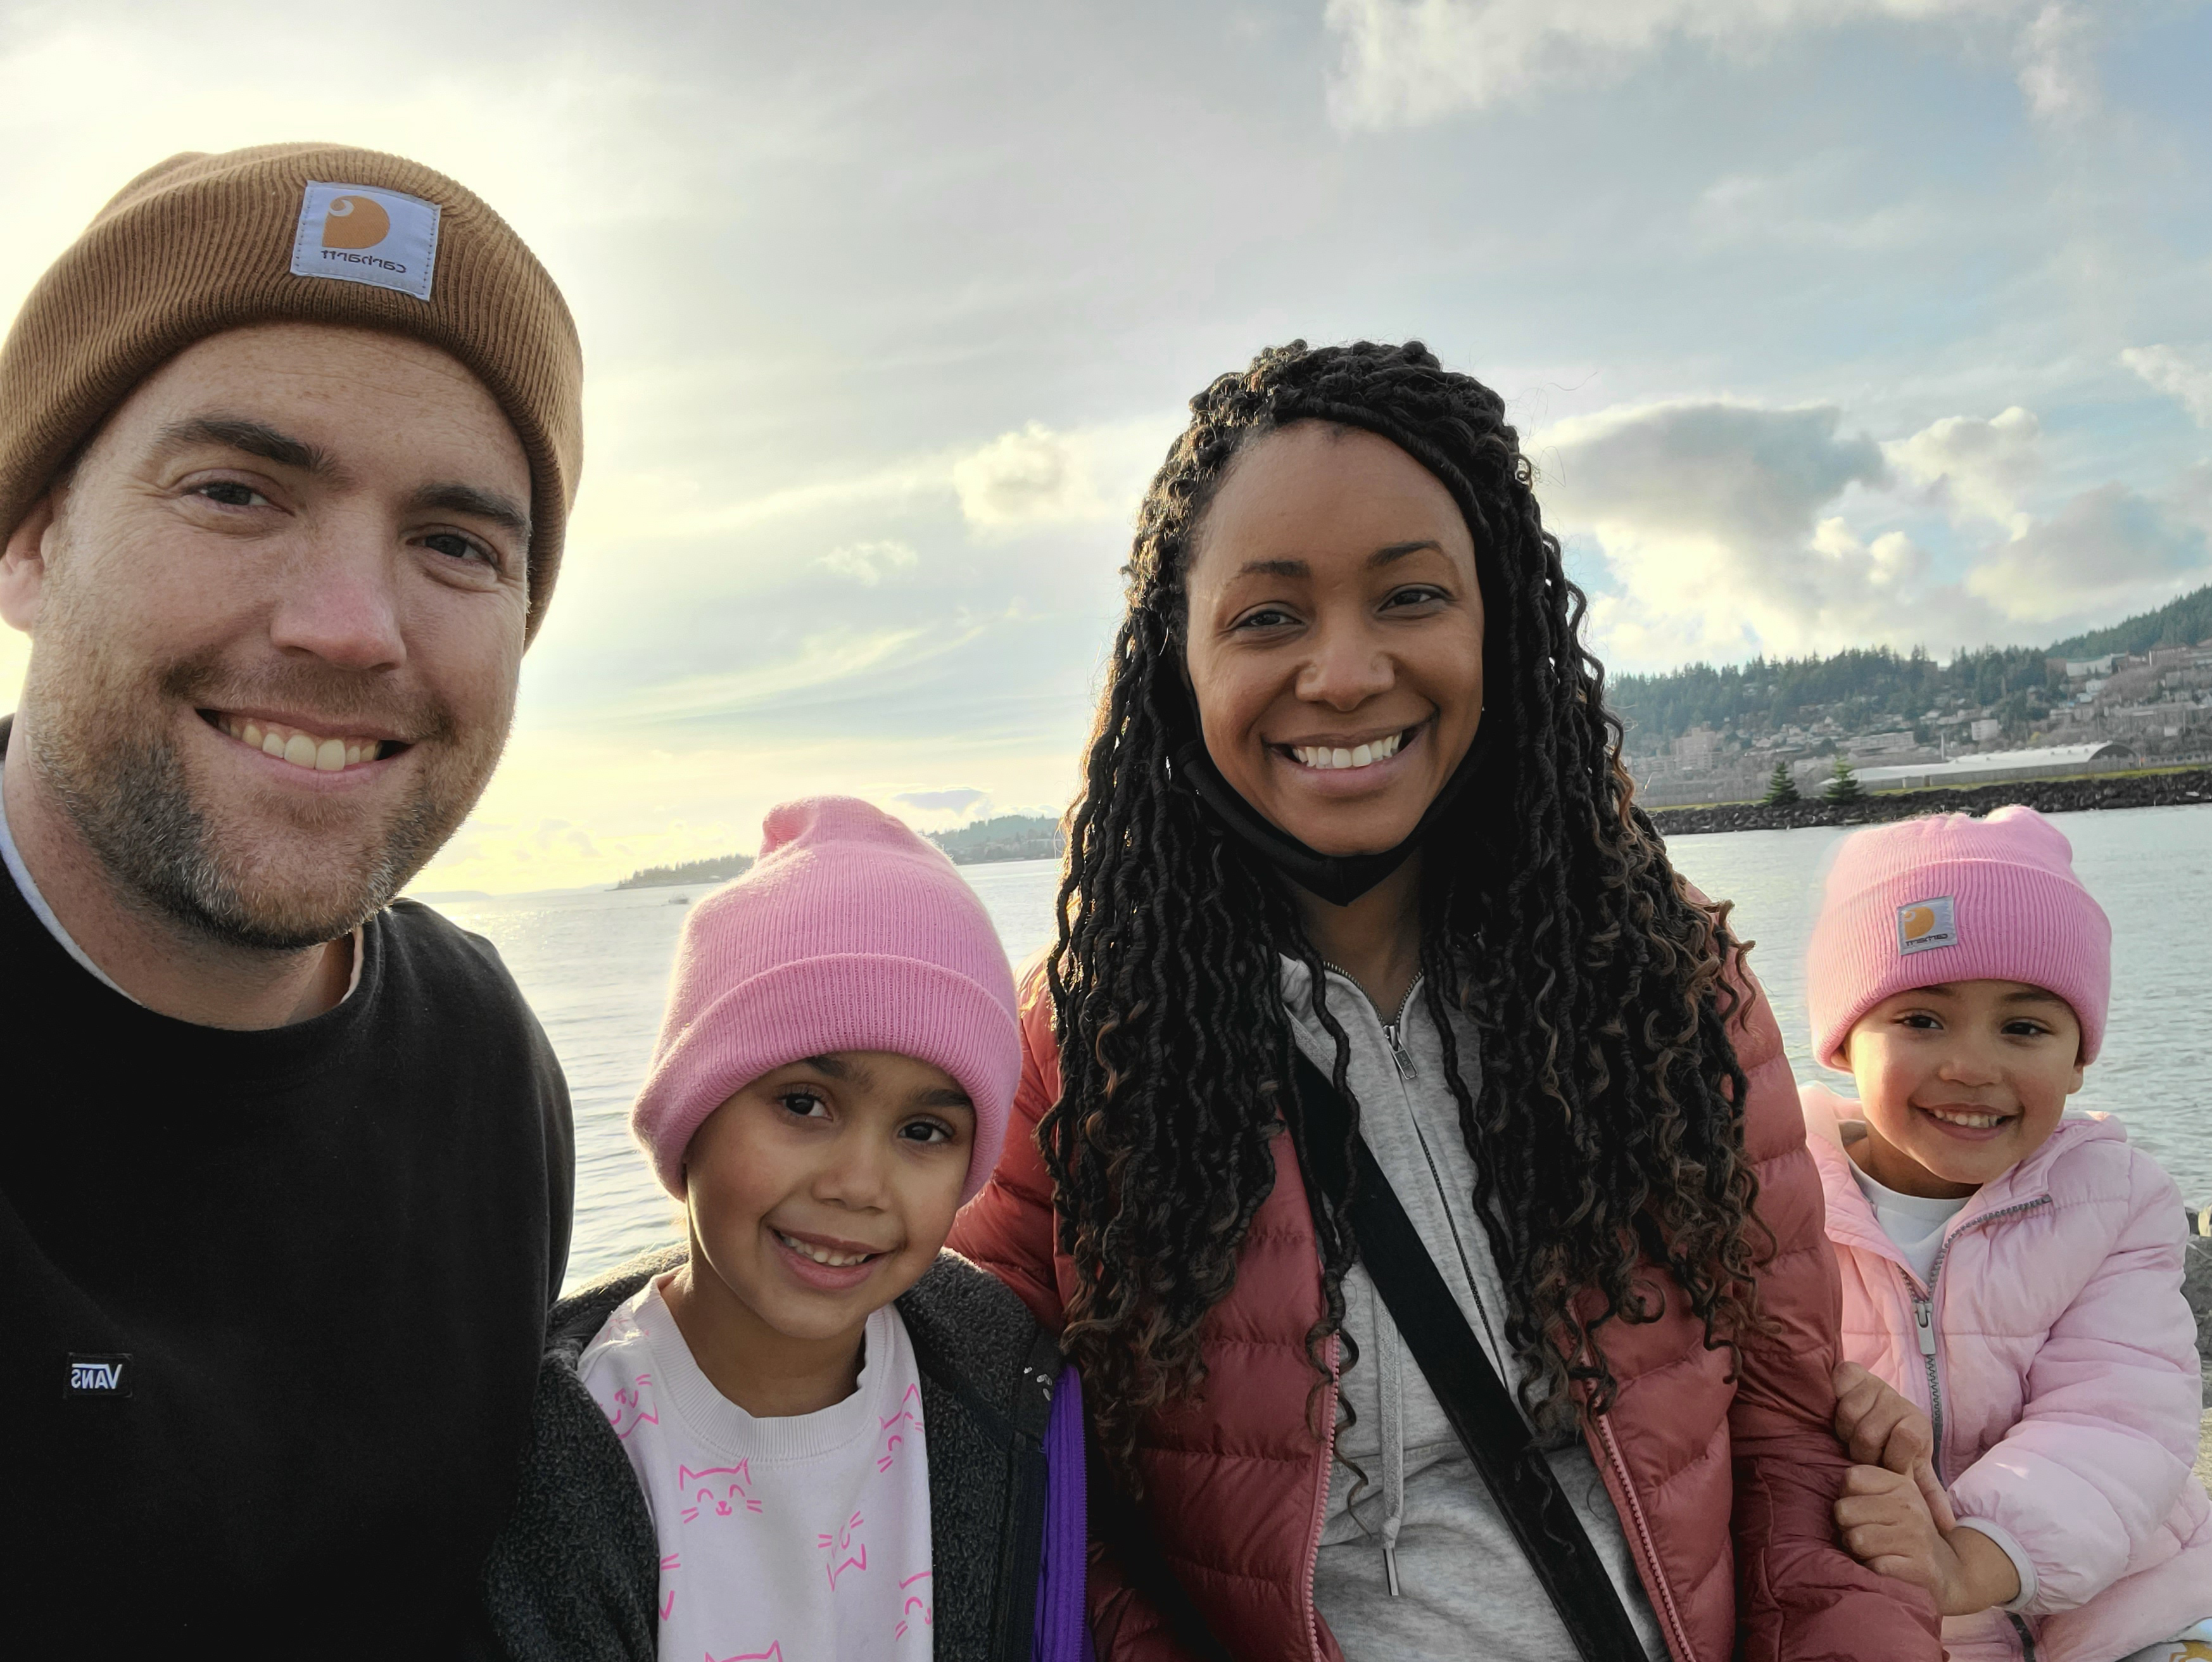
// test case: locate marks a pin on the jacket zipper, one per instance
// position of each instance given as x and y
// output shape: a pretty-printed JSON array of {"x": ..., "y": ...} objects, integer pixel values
[
  {"x": 1678, "y": 1635},
  {"x": 1924, "y": 1321},
  {"x": 1320, "y": 1502},
  {"x": 1401, "y": 1057}
]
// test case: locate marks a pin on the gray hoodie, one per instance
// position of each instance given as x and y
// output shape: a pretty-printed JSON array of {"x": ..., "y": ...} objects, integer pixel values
[{"x": 1423, "y": 1518}]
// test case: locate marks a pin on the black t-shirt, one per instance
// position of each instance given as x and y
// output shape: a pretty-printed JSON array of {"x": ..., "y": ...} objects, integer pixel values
[{"x": 272, "y": 1303}]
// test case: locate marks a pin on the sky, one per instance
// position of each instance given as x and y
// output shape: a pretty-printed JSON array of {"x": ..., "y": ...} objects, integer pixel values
[{"x": 1826, "y": 322}]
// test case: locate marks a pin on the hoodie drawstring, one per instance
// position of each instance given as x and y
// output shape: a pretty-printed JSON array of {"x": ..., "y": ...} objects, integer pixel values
[{"x": 1390, "y": 1388}]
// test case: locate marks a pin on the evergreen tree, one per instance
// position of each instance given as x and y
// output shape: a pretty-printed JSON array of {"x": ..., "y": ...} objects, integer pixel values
[
  {"x": 1845, "y": 787},
  {"x": 1781, "y": 788}
]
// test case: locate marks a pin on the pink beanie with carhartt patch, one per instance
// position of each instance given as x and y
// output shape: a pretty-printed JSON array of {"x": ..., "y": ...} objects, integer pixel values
[
  {"x": 1950, "y": 898},
  {"x": 850, "y": 934}
]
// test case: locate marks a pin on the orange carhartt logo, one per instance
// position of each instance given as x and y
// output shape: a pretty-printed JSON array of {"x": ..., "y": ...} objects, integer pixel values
[
  {"x": 366, "y": 234},
  {"x": 1924, "y": 925},
  {"x": 355, "y": 221}
]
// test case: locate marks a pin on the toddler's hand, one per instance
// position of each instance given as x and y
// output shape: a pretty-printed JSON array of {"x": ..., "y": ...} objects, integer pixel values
[
  {"x": 1887, "y": 1526},
  {"x": 1879, "y": 1427}
]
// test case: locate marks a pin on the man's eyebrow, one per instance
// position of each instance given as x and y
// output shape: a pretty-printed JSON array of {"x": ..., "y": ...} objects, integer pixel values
[
  {"x": 255, "y": 438},
  {"x": 454, "y": 497}
]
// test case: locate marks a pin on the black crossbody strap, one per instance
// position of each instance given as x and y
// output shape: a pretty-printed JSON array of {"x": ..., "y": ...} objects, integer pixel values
[{"x": 1474, "y": 1398}]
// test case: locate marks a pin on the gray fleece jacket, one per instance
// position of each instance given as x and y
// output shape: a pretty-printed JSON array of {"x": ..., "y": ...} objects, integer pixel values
[
  {"x": 1416, "y": 1559},
  {"x": 575, "y": 1575}
]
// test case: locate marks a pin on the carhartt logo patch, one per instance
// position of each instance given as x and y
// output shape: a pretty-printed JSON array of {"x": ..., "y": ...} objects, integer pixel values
[
  {"x": 1924, "y": 925},
  {"x": 99, "y": 1376},
  {"x": 358, "y": 234}
]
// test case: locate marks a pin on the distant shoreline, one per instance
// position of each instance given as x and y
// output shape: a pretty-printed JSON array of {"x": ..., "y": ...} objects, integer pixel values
[
  {"x": 696, "y": 873},
  {"x": 2179, "y": 789}
]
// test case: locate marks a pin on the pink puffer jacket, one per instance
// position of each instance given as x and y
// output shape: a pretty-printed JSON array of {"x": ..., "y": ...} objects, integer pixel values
[
  {"x": 1724, "y": 1480},
  {"x": 2057, "y": 1358}
]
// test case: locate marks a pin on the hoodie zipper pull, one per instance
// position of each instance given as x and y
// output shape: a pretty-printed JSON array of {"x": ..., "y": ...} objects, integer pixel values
[
  {"x": 1923, "y": 1323},
  {"x": 1399, "y": 1054}
]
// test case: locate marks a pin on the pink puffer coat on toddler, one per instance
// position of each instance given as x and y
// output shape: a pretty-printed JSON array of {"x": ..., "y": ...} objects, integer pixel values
[{"x": 2057, "y": 1358}]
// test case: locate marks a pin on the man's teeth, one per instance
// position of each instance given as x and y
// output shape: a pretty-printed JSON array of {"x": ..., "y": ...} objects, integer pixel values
[
  {"x": 1973, "y": 1121},
  {"x": 1359, "y": 756},
  {"x": 302, "y": 750},
  {"x": 822, "y": 1255}
]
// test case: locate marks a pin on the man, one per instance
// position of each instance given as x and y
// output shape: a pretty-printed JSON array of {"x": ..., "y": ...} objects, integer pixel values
[{"x": 288, "y": 439}]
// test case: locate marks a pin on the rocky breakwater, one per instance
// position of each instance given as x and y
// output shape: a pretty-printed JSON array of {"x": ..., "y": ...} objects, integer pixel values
[{"x": 2135, "y": 790}]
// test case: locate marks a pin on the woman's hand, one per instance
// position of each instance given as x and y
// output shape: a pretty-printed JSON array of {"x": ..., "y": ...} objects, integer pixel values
[
  {"x": 1879, "y": 1427},
  {"x": 1886, "y": 1525}
]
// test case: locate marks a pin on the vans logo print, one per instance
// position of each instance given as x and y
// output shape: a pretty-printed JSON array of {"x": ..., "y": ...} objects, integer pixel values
[
  {"x": 99, "y": 1376},
  {"x": 358, "y": 234},
  {"x": 1924, "y": 925}
]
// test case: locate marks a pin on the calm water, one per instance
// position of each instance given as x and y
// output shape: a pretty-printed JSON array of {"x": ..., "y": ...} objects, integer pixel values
[{"x": 594, "y": 966}]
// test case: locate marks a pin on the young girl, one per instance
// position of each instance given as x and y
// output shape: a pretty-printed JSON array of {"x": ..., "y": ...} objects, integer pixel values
[
  {"x": 809, "y": 1434},
  {"x": 2015, "y": 1273}
]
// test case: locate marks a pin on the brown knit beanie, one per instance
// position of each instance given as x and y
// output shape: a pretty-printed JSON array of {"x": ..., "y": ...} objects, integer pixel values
[{"x": 293, "y": 233}]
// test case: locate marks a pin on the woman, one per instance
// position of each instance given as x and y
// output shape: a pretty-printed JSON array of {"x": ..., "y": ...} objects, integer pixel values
[{"x": 1353, "y": 795}]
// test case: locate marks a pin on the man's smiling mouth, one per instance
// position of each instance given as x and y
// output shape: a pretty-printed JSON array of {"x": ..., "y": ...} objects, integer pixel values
[{"x": 317, "y": 752}]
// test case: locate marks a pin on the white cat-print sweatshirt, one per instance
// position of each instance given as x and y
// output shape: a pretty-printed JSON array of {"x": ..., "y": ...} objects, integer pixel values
[{"x": 800, "y": 1539}]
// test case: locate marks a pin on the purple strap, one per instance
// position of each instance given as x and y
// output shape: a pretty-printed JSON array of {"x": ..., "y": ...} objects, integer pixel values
[{"x": 1063, "y": 1622}]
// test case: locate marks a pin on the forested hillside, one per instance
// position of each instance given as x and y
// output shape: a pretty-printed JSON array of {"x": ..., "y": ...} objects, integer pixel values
[
  {"x": 2184, "y": 622},
  {"x": 1009, "y": 837},
  {"x": 1859, "y": 686}
]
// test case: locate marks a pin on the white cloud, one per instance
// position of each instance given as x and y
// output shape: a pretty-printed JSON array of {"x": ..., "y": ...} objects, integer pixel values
[
  {"x": 1404, "y": 62},
  {"x": 1724, "y": 533},
  {"x": 820, "y": 662},
  {"x": 1709, "y": 467},
  {"x": 1034, "y": 476},
  {"x": 1710, "y": 517},
  {"x": 959, "y": 803},
  {"x": 1975, "y": 468},
  {"x": 2057, "y": 75},
  {"x": 2183, "y": 375},
  {"x": 2105, "y": 548},
  {"x": 1813, "y": 205},
  {"x": 868, "y": 562}
]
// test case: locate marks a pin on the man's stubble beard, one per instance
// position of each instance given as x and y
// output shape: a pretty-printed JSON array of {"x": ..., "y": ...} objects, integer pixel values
[{"x": 102, "y": 746}]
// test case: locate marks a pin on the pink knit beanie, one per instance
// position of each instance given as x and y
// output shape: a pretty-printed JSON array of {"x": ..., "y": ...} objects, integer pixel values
[
  {"x": 850, "y": 934},
  {"x": 1949, "y": 898}
]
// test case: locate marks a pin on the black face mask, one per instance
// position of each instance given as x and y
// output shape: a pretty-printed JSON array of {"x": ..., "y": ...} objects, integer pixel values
[{"x": 1339, "y": 879}]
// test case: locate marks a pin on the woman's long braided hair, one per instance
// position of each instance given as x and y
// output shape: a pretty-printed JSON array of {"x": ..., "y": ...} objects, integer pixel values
[{"x": 1605, "y": 1127}]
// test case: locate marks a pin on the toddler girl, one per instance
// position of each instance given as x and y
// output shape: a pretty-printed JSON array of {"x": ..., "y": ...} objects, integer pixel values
[
  {"x": 2014, "y": 1272},
  {"x": 809, "y": 1434}
]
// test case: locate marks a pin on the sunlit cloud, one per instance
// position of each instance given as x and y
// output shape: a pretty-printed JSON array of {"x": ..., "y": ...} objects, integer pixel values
[
  {"x": 2102, "y": 546},
  {"x": 1975, "y": 468},
  {"x": 1034, "y": 476},
  {"x": 868, "y": 563},
  {"x": 1410, "y": 61},
  {"x": 1813, "y": 342},
  {"x": 2185, "y": 377}
]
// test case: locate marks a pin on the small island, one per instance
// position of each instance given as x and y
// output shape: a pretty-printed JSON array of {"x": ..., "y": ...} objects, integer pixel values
[
  {"x": 718, "y": 869},
  {"x": 1009, "y": 837}
]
